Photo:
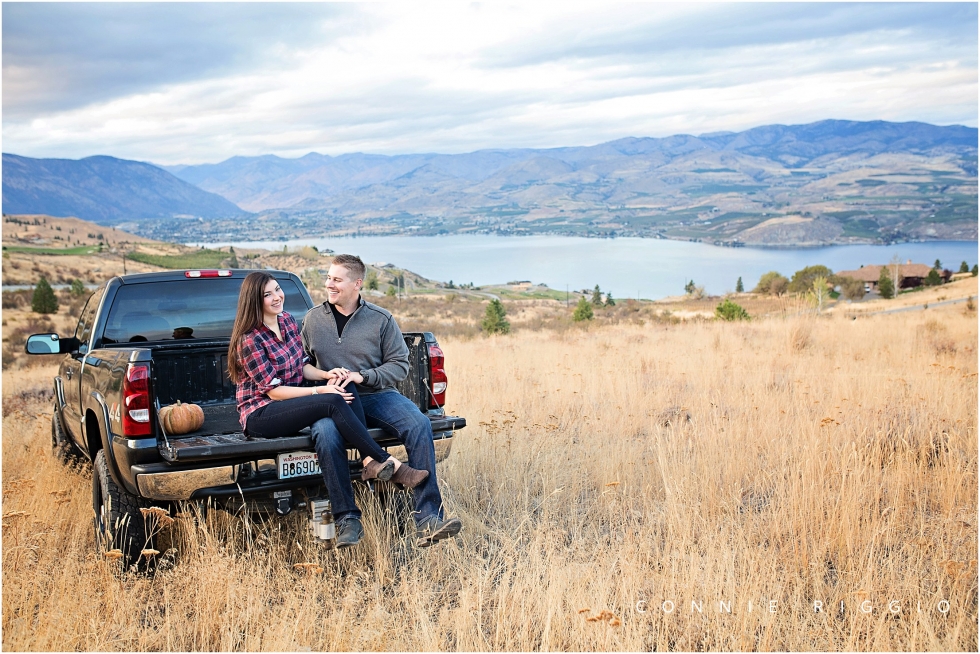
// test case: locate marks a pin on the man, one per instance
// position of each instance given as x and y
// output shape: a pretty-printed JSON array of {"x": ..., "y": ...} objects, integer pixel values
[{"x": 362, "y": 342}]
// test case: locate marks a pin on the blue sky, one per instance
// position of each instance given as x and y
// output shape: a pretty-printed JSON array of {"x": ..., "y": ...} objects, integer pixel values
[{"x": 193, "y": 83}]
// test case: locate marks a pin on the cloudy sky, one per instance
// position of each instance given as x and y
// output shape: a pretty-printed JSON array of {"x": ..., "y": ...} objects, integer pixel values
[{"x": 193, "y": 83}]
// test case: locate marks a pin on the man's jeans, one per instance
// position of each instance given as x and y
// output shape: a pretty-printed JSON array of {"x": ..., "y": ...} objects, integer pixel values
[{"x": 399, "y": 417}]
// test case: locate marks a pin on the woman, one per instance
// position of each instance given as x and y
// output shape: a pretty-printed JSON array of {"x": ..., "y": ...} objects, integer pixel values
[{"x": 266, "y": 361}]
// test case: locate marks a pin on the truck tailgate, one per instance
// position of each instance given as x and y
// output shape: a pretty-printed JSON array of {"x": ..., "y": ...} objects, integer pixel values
[{"x": 237, "y": 445}]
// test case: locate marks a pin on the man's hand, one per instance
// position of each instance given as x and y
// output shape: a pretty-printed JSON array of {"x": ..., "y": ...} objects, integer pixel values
[{"x": 343, "y": 376}]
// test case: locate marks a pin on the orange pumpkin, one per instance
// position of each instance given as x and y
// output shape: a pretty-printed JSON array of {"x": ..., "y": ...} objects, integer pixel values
[{"x": 181, "y": 418}]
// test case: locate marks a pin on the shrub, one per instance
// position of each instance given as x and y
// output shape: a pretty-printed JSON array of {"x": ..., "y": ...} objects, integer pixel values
[
  {"x": 771, "y": 283},
  {"x": 77, "y": 287},
  {"x": 583, "y": 311},
  {"x": 44, "y": 299},
  {"x": 494, "y": 320},
  {"x": 885, "y": 285},
  {"x": 729, "y": 310},
  {"x": 933, "y": 278},
  {"x": 391, "y": 292},
  {"x": 372, "y": 281},
  {"x": 853, "y": 289},
  {"x": 802, "y": 281},
  {"x": 800, "y": 337}
]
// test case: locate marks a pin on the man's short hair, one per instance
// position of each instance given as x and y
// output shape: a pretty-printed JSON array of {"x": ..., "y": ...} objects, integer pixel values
[{"x": 352, "y": 263}]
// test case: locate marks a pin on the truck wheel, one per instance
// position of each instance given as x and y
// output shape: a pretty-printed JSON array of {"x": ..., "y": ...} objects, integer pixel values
[
  {"x": 118, "y": 521},
  {"x": 62, "y": 447}
]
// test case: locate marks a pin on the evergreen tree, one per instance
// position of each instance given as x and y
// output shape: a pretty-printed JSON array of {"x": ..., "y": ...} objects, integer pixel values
[
  {"x": 933, "y": 278},
  {"x": 610, "y": 302},
  {"x": 391, "y": 292},
  {"x": 597, "y": 296},
  {"x": 885, "y": 285},
  {"x": 937, "y": 265},
  {"x": 494, "y": 320},
  {"x": 689, "y": 287},
  {"x": 739, "y": 286},
  {"x": 964, "y": 267},
  {"x": 974, "y": 270},
  {"x": 44, "y": 300},
  {"x": 77, "y": 287},
  {"x": 583, "y": 311},
  {"x": 728, "y": 310},
  {"x": 372, "y": 281}
]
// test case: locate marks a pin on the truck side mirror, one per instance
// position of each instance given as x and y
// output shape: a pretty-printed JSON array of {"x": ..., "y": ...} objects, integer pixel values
[{"x": 50, "y": 344}]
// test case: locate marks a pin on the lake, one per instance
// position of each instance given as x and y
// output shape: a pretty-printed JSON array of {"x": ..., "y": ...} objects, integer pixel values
[{"x": 627, "y": 267}]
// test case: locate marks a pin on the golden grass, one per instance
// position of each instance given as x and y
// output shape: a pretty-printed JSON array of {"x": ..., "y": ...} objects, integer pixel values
[{"x": 605, "y": 471}]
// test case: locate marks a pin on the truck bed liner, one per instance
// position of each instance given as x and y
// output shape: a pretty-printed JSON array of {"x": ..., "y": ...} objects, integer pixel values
[{"x": 237, "y": 444}]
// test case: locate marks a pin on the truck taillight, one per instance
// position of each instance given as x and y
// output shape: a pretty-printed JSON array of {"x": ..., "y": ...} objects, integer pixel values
[
  {"x": 136, "y": 400},
  {"x": 437, "y": 376}
]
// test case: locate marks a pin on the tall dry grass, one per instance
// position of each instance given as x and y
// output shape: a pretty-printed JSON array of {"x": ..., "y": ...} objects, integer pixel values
[{"x": 604, "y": 470}]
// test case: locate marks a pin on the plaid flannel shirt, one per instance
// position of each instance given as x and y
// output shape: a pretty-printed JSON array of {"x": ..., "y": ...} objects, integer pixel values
[{"x": 267, "y": 362}]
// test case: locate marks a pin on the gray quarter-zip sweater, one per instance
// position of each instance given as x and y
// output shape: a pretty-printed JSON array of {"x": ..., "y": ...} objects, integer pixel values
[{"x": 372, "y": 345}]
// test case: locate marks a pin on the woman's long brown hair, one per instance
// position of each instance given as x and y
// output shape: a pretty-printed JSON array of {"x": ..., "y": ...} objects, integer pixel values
[{"x": 249, "y": 317}]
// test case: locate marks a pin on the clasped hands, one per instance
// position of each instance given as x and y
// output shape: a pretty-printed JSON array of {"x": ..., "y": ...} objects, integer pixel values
[{"x": 337, "y": 379}]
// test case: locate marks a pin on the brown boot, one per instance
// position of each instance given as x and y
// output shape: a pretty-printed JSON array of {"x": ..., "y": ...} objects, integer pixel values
[
  {"x": 409, "y": 477},
  {"x": 380, "y": 471}
]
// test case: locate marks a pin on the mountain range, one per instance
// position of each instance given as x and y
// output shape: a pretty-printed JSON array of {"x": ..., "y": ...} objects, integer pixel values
[{"x": 827, "y": 182}]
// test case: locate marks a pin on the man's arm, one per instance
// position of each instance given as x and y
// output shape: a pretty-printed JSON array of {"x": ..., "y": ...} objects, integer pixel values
[{"x": 394, "y": 359}]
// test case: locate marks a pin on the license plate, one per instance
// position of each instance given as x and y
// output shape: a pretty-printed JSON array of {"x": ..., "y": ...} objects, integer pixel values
[{"x": 298, "y": 464}]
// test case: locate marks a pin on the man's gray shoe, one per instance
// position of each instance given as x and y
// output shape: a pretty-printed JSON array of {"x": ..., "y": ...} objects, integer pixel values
[
  {"x": 432, "y": 530},
  {"x": 349, "y": 531}
]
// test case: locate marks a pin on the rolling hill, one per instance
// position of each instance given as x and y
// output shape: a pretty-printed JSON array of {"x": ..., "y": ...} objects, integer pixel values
[{"x": 105, "y": 190}]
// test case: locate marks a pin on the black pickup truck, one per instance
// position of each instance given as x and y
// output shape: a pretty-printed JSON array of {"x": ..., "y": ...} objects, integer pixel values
[{"x": 146, "y": 341}]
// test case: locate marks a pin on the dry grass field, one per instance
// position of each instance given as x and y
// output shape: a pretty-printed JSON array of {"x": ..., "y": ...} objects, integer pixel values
[{"x": 683, "y": 486}]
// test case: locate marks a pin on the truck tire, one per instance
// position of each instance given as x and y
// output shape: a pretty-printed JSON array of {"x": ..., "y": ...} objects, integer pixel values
[
  {"x": 62, "y": 447},
  {"x": 118, "y": 521}
]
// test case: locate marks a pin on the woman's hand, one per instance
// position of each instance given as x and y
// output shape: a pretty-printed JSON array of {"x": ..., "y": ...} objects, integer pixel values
[{"x": 339, "y": 390}]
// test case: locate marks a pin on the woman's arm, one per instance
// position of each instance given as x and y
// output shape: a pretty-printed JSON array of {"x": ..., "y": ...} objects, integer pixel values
[
  {"x": 289, "y": 392},
  {"x": 313, "y": 373}
]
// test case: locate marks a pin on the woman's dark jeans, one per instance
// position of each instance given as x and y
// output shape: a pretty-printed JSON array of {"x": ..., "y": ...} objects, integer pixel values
[{"x": 286, "y": 417}]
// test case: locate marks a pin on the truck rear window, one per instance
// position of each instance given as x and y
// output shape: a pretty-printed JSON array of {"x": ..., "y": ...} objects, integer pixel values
[{"x": 177, "y": 310}]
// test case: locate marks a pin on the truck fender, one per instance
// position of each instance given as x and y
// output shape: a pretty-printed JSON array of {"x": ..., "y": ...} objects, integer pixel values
[
  {"x": 59, "y": 407},
  {"x": 105, "y": 436},
  {"x": 59, "y": 392}
]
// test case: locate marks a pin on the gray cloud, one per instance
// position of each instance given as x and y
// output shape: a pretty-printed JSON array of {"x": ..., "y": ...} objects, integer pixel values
[
  {"x": 225, "y": 82},
  {"x": 59, "y": 56},
  {"x": 735, "y": 25}
]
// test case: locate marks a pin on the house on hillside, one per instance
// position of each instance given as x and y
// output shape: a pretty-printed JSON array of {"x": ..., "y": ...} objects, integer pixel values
[{"x": 912, "y": 275}]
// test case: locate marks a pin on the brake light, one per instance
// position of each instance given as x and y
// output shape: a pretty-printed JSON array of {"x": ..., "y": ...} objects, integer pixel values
[
  {"x": 136, "y": 400},
  {"x": 207, "y": 273},
  {"x": 437, "y": 376}
]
